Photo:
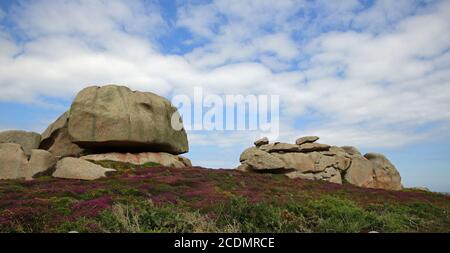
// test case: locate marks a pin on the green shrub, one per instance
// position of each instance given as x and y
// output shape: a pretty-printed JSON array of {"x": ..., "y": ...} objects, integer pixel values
[
  {"x": 332, "y": 214},
  {"x": 411, "y": 217},
  {"x": 148, "y": 218},
  {"x": 81, "y": 225},
  {"x": 258, "y": 217}
]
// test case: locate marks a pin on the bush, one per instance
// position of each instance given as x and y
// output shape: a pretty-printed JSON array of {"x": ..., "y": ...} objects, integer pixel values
[
  {"x": 146, "y": 217},
  {"x": 411, "y": 217},
  {"x": 333, "y": 214},
  {"x": 259, "y": 217}
]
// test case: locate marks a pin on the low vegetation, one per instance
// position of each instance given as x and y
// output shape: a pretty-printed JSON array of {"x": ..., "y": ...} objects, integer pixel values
[{"x": 158, "y": 199}]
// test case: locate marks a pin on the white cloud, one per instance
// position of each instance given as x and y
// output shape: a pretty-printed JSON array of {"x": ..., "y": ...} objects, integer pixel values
[
  {"x": 372, "y": 87},
  {"x": 384, "y": 13}
]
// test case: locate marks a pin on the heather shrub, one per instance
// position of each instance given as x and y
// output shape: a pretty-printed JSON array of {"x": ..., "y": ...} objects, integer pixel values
[
  {"x": 333, "y": 214},
  {"x": 258, "y": 217},
  {"x": 81, "y": 225},
  {"x": 411, "y": 217},
  {"x": 63, "y": 205},
  {"x": 146, "y": 217}
]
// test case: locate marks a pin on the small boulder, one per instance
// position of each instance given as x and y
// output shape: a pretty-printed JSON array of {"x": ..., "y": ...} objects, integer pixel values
[
  {"x": 40, "y": 161},
  {"x": 75, "y": 168},
  {"x": 261, "y": 141},
  {"x": 306, "y": 139},
  {"x": 28, "y": 140}
]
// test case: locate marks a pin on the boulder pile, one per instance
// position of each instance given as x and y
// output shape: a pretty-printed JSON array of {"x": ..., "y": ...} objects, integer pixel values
[
  {"x": 108, "y": 123},
  {"x": 307, "y": 159}
]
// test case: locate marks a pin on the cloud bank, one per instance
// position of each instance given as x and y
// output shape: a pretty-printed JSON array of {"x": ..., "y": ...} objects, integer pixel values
[{"x": 354, "y": 73}]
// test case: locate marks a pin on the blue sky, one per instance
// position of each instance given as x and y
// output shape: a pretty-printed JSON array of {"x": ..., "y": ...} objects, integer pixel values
[{"x": 373, "y": 74}]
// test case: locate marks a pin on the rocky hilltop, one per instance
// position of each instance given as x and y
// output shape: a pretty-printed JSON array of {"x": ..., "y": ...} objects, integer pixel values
[
  {"x": 307, "y": 159},
  {"x": 108, "y": 123},
  {"x": 112, "y": 163},
  {"x": 115, "y": 124}
]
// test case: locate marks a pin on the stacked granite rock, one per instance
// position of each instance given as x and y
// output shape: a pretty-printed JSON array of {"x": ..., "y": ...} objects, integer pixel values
[
  {"x": 110, "y": 123},
  {"x": 307, "y": 159}
]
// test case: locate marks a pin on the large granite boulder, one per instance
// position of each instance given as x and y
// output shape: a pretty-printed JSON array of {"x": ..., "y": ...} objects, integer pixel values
[
  {"x": 57, "y": 140},
  {"x": 14, "y": 164},
  {"x": 385, "y": 174},
  {"x": 76, "y": 168},
  {"x": 165, "y": 159},
  {"x": 28, "y": 140},
  {"x": 115, "y": 117},
  {"x": 360, "y": 173},
  {"x": 314, "y": 161}
]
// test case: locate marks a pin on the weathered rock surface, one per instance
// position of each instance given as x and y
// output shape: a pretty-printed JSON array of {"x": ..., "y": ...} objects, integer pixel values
[
  {"x": 12, "y": 160},
  {"x": 297, "y": 161},
  {"x": 386, "y": 175},
  {"x": 40, "y": 161},
  {"x": 315, "y": 161},
  {"x": 76, "y": 168},
  {"x": 252, "y": 151},
  {"x": 14, "y": 163},
  {"x": 321, "y": 161},
  {"x": 310, "y": 147},
  {"x": 165, "y": 159},
  {"x": 360, "y": 172},
  {"x": 331, "y": 175},
  {"x": 56, "y": 139},
  {"x": 115, "y": 117},
  {"x": 351, "y": 150},
  {"x": 280, "y": 147},
  {"x": 264, "y": 161},
  {"x": 28, "y": 140}
]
